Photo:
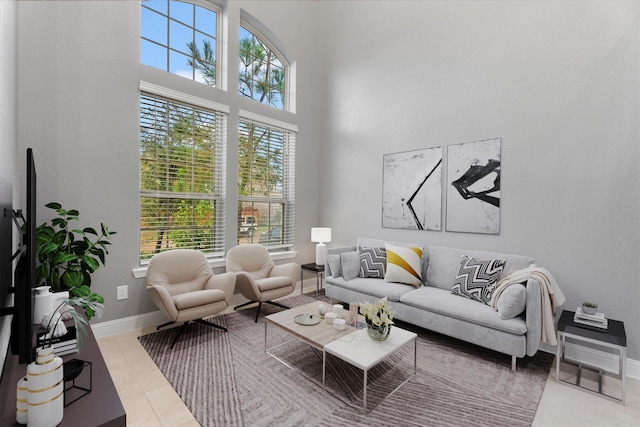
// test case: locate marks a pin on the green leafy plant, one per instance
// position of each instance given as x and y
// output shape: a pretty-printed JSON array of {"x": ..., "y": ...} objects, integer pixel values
[
  {"x": 590, "y": 304},
  {"x": 69, "y": 256},
  {"x": 91, "y": 304}
]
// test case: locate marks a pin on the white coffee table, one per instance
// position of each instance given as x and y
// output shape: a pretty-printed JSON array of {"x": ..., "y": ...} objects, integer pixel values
[{"x": 365, "y": 353}]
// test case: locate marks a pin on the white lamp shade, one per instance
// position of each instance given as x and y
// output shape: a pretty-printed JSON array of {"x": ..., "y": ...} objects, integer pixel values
[{"x": 320, "y": 234}]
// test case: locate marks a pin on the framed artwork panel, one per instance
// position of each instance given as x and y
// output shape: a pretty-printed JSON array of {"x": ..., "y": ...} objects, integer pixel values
[
  {"x": 412, "y": 190},
  {"x": 473, "y": 186}
]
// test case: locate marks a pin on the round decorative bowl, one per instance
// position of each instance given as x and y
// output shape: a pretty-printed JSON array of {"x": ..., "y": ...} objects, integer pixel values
[
  {"x": 72, "y": 368},
  {"x": 589, "y": 310},
  {"x": 378, "y": 334}
]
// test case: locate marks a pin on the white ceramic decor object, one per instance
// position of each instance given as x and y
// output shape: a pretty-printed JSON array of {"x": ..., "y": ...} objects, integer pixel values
[
  {"x": 21, "y": 401},
  {"x": 330, "y": 316},
  {"x": 45, "y": 390},
  {"x": 43, "y": 303}
]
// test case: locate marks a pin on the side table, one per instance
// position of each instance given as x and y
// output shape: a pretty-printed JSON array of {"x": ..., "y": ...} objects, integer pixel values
[
  {"x": 317, "y": 269},
  {"x": 614, "y": 337}
]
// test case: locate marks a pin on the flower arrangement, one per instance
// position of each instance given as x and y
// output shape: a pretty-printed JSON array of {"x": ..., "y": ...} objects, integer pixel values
[{"x": 379, "y": 317}]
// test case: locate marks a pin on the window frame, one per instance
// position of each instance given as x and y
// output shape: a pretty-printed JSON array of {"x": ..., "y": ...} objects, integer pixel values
[
  {"x": 288, "y": 191},
  {"x": 221, "y": 162}
]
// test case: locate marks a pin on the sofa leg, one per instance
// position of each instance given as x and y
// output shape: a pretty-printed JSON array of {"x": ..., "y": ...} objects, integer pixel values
[{"x": 513, "y": 364}]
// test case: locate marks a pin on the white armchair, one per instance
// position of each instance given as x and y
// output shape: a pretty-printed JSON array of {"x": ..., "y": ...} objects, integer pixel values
[
  {"x": 185, "y": 289},
  {"x": 258, "y": 278}
]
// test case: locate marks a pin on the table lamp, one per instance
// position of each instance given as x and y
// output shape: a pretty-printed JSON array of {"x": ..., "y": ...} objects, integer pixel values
[{"x": 321, "y": 235}]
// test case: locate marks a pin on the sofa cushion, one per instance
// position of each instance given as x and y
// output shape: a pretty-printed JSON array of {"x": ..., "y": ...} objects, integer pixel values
[
  {"x": 444, "y": 262},
  {"x": 512, "y": 301},
  {"x": 373, "y": 262},
  {"x": 365, "y": 241},
  {"x": 404, "y": 265},
  {"x": 443, "y": 302},
  {"x": 377, "y": 288},
  {"x": 334, "y": 265},
  {"x": 350, "y": 264},
  {"x": 477, "y": 278}
]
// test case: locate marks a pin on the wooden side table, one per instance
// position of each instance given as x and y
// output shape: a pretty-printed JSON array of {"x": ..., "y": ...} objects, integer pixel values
[
  {"x": 316, "y": 269},
  {"x": 614, "y": 337}
]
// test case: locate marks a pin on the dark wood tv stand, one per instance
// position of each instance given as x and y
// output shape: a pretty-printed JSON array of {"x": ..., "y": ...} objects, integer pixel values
[{"x": 101, "y": 407}]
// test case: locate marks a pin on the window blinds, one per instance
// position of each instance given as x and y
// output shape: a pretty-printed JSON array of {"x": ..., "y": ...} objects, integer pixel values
[
  {"x": 266, "y": 184},
  {"x": 182, "y": 177}
]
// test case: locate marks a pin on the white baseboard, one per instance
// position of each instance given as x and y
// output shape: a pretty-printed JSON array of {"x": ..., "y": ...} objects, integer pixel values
[
  {"x": 127, "y": 324},
  {"x": 590, "y": 356}
]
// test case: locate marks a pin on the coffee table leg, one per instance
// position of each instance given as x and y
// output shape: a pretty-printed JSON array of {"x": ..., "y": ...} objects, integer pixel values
[
  {"x": 324, "y": 367},
  {"x": 364, "y": 393},
  {"x": 265, "y": 336}
]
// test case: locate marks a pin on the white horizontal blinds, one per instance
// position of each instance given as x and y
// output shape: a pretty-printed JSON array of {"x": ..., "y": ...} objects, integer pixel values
[
  {"x": 266, "y": 183},
  {"x": 182, "y": 187}
]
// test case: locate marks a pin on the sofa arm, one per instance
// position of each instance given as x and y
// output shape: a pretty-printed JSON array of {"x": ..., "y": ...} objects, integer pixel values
[
  {"x": 162, "y": 299},
  {"x": 336, "y": 251},
  {"x": 533, "y": 314}
]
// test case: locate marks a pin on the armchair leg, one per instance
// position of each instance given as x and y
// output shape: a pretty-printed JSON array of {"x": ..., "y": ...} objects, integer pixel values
[
  {"x": 243, "y": 305},
  {"x": 184, "y": 325},
  {"x": 277, "y": 304},
  {"x": 204, "y": 322},
  {"x": 171, "y": 322}
]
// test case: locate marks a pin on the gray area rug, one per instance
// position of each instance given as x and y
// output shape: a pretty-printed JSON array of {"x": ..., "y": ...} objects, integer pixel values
[{"x": 227, "y": 379}]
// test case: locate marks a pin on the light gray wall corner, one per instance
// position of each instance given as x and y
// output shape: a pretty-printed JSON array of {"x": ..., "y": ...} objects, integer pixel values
[{"x": 558, "y": 82}]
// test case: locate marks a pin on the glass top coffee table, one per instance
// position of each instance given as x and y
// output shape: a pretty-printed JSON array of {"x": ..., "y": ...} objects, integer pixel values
[{"x": 353, "y": 346}]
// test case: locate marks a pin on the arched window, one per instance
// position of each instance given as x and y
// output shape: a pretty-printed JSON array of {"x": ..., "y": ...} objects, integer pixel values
[
  {"x": 180, "y": 38},
  {"x": 262, "y": 70}
]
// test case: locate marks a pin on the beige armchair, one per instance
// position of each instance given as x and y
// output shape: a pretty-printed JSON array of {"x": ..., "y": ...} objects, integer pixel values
[
  {"x": 182, "y": 284},
  {"x": 258, "y": 278}
]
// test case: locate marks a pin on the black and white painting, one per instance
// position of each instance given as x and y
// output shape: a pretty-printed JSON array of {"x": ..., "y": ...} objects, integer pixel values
[
  {"x": 412, "y": 190},
  {"x": 473, "y": 190}
]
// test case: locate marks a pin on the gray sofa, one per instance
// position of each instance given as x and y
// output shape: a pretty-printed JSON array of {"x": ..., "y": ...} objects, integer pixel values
[{"x": 432, "y": 306}]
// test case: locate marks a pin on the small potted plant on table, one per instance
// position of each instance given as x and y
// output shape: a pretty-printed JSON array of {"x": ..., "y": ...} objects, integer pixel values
[{"x": 589, "y": 307}]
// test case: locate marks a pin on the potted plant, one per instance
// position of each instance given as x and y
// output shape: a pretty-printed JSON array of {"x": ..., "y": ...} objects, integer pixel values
[
  {"x": 69, "y": 256},
  {"x": 589, "y": 307},
  {"x": 378, "y": 317}
]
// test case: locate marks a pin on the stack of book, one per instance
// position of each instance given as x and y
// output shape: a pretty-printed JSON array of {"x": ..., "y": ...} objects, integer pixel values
[
  {"x": 596, "y": 320},
  {"x": 66, "y": 344}
]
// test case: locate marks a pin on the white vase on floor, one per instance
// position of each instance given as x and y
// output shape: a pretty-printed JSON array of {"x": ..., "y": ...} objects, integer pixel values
[{"x": 45, "y": 387}]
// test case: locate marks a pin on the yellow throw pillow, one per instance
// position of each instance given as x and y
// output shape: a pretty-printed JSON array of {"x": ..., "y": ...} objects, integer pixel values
[{"x": 404, "y": 265}]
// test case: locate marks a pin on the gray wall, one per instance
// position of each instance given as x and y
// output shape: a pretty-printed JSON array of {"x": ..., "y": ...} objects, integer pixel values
[
  {"x": 8, "y": 146},
  {"x": 79, "y": 73},
  {"x": 557, "y": 81}
]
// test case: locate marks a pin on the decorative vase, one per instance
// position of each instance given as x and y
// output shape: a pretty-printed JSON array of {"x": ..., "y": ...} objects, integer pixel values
[
  {"x": 43, "y": 304},
  {"x": 45, "y": 389},
  {"x": 22, "y": 393},
  {"x": 378, "y": 333},
  {"x": 589, "y": 310}
]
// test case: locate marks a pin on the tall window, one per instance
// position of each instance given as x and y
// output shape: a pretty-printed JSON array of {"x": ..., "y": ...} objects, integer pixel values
[
  {"x": 266, "y": 184},
  {"x": 180, "y": 38},
  {"x": 262, "y": 73},
  {"x": 182, "y": 178}
]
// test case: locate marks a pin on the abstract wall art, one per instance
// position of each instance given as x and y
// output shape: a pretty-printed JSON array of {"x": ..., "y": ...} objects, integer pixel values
[
  {"x": 473, "y": 187},
  {"x": 412, "y": 190}
]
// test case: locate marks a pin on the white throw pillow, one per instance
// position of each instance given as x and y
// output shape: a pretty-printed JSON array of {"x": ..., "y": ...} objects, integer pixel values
[
  {"x": 350, "y": 263},
  {"x": 512, "y": 301},
  {"x": 404, "y": 265}
]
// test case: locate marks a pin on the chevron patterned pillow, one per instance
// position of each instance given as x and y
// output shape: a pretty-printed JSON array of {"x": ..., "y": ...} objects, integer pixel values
[
  {"x": 477, "y": 278},
  {"x": 404, "y": 265},
  {"x": 373, "y": 262}
]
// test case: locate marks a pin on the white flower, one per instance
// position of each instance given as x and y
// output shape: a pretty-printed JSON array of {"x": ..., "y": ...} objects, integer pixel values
[{"x": 378, "y": 313}]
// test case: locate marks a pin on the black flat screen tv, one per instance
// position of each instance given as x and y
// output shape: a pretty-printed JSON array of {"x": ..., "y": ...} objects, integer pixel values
[{"x": 25, "y": 275}]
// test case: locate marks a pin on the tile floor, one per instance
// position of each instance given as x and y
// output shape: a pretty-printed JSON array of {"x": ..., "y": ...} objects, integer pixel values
[{"x": 149, "y": 400}]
